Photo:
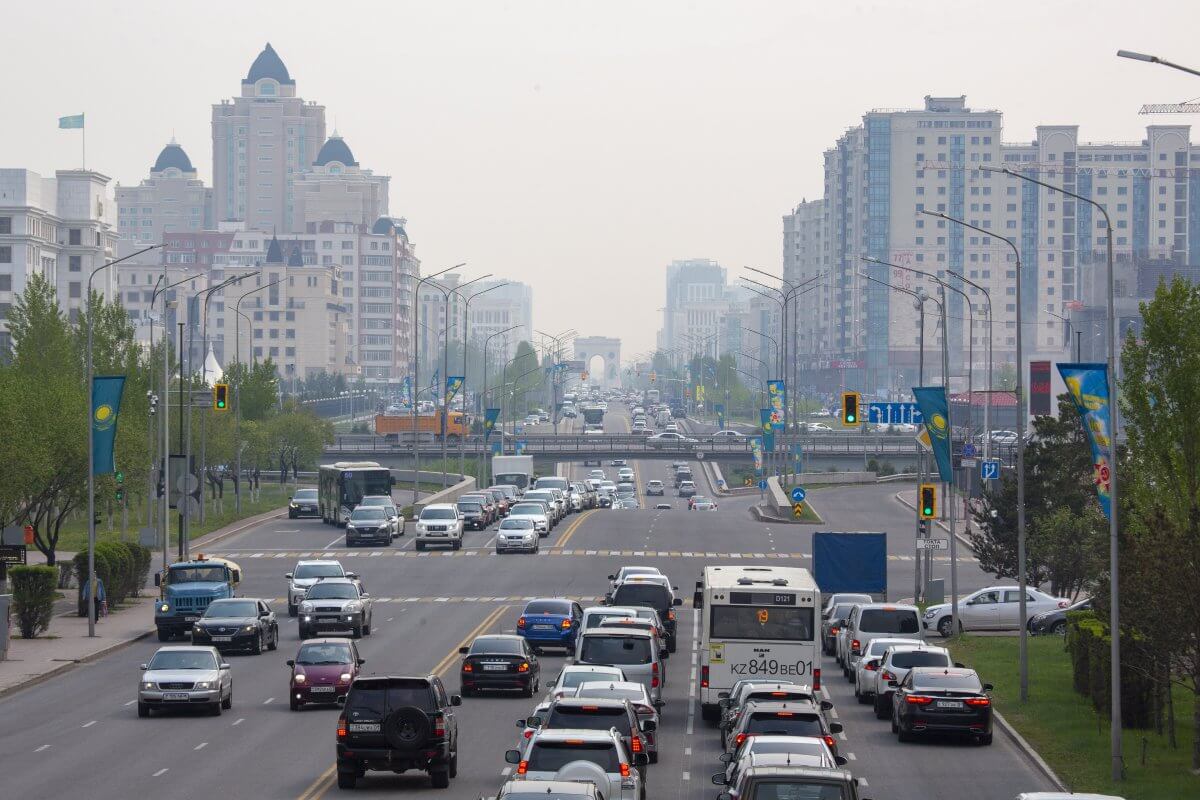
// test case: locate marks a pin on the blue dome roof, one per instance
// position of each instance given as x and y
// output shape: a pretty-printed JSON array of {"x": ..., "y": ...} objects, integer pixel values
[
  {"x": 274, "y": 251},
  {"x": 173, "y": 156},
  {"x": 335, "y": 149},
  {"x": 269, "y": 65}
]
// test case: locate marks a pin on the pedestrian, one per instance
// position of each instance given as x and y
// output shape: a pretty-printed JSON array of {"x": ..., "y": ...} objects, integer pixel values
[{"x": 98, "y": 605}]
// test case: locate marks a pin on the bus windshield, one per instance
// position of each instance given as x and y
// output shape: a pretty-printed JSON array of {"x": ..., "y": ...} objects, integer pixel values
[
  {"x": 357, "y": 484},
  {"x": 762, "y": 623}
]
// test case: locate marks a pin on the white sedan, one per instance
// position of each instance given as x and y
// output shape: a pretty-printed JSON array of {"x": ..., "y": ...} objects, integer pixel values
[
  {"x": 996, "y": 608},
  {"x": 818, "y": 427},
  {"x": 667, "y": 439},
  {"x": 727, "y": 434}
]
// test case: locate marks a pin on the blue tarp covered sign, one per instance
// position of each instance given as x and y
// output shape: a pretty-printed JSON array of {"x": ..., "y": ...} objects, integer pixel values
[{"x": 850, "y": 562}]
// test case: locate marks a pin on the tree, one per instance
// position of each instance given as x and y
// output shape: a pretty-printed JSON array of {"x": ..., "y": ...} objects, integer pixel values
[
  {"x": 1071, "y": 548},
  {"x": 1160, "y": 403},
  {"x": 298, "y": 434},
  {"x": 257, "y": 387}
]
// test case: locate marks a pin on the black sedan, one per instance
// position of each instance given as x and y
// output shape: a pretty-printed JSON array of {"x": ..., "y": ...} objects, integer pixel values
[
  {"x": 499, "y": 662},
  {"x": 237, "y": 623},
  {"x": 1055, "y": 620},
  {"x": 473, "y": 516},
  {"x": 942, "y": 700},
  {"x": 304, "y": 504}
]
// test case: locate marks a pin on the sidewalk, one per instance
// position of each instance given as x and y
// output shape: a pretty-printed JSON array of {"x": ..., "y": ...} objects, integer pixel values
[{"x": 66, "y": 644}]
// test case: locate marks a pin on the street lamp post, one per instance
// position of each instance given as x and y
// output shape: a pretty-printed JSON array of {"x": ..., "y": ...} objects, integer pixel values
[
  {"x": 91, "y": 308},
  {"x": 791, "y": 372},
  {"x": 416, "y": 360},
  {"x": 237, "y": 391},
  {"x": 1114, "y": 554},
  {"x": 465, "y": 338},
  {"x": 1155, "y": 60},
  {"x": 481, "y": 469},
  {"x": 446, "y": 364}
]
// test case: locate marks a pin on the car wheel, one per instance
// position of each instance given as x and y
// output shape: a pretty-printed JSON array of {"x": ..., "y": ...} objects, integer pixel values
[
  {"x": 303, "y": 632},
  {"x": 895, "y": 727},
  {"x": 653, "y": 758},
  {"x": 294, "y": 704},
  {"x": 440, "y": 779},
  {"x": 528, "y": 690},
  {"x": 1059, "y": 628},
  {"x": 293, "y": 610},
  {"x": 903, "y": 734},
  {"x": 258, "y": 645},
  {"x": 273, "y": 643},
  {"x": 367, "y": 630},
  {"x": 143, "y": 710},
  {"x": 985, "y": 739},
  {"x": 673, "y": 644},
  {"x": 457, "y": 545},
  {"x": 944, "y": 628},
  {"x": 859, "y": 696},
  {"x": 356, "y": 632},
  {"x": 215, "y": 708},
  {"x": 163, "y": 636},
  {"x": 346, "y": 779},
  {"x": 453, "y": 770},
  {"x": 420, "y": 545},
  {"x": 227, "y": 703},
  {"x": 880, "y": 708}
]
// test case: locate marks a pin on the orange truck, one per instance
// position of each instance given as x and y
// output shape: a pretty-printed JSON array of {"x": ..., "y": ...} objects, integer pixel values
[{"x": 400, "y": 427}]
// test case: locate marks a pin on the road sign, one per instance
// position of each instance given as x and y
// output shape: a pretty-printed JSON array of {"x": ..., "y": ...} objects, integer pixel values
[
  {"x": 933, "y": 544},
  {"x": 989, "y": 470},
  {"x": 969, "y": 463},
  {"x": 12, "y": 553},
  {"x": 968, "y": 450},
  {"x": 923, "y": 440},
  {"x": 798, "y": 510},
  {"x": 798, "y": 494},
  {"x": 762, "y": 486},
  {"x": 894, "y": 413}
]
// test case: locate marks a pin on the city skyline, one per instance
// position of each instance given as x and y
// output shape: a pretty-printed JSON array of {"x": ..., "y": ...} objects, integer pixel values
[{"x": 479, "y": 156}]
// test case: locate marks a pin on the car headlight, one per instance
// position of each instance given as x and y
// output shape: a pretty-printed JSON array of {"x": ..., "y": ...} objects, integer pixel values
[
  {"x": 299, "y": 678},
  {"x": 350, "y": 529},
  {"x": 306, "y": 607},
  {"x": 204, "y": 685},
  {"x": 164, "y": 607},
  {"x": 292, "y": 504},
  {"x": 249, "y": 629},
  {"x": 147, "y": 685},
  {"x": 931, "y": 613},
  {"x": 344, "y": 677}
]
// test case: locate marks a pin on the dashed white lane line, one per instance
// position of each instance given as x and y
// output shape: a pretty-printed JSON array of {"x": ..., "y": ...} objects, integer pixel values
[
  {"x": 88, "y": 724},
  {"x": 335, "y": 541},
  {"x": 131, "y": 702},
  {"x": 201, "y": 746},
  {"x": 851, "y": 756},
  {"x": 43, "y": 747},
  {"x": 863, "y": 782},
  {"x": 161, "y": 772},
  {"x": 687, "y": 751},
  {"x": 238, "y": 721},
  {"x": 268, "y": 701},
  {"x": 687, "y": 776}
]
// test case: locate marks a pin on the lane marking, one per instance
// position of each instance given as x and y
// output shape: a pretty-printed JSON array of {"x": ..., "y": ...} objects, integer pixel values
[
  {"x": 162, "y": 771},
  {"x": 335, "y": 541},
  {"x": 268, "y": 700},
  {"x": 131, "y": 702},
  {"x": 238, "y": 721},
  {"x": 89, "y": 724},
  {"x": 201, "y": 746},
  {"x": 43, "y": 747}
]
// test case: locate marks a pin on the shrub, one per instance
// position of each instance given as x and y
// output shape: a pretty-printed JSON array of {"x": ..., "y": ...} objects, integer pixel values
[
  {"x": 33, "y": 597},
  {"x": 1089, "y": 643},
  {"x": 142, "y": 559}
]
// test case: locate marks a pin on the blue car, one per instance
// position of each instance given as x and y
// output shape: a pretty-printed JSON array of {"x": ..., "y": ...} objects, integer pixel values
[{"x": 550, "y": 623}]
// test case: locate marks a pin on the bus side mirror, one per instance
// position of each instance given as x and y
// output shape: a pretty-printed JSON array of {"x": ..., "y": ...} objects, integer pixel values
[
  {"x": 158, "y": 579},
  {"x": 236, "y": 575}
]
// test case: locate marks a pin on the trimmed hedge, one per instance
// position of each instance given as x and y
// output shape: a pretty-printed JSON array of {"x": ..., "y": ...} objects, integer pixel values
[
  {"x": 143, "y": 558},
  {"x": 33, "y": 589},
  {"x": 122, "y": 566},
  {"x": 1088, "y": 644}
]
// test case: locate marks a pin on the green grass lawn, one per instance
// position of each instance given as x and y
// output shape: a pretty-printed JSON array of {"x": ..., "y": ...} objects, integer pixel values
[{"x": 1063, "y": 727}]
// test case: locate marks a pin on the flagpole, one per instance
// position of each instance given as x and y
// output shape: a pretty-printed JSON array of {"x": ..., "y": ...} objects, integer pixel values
[{"x": 83, "y": 143}]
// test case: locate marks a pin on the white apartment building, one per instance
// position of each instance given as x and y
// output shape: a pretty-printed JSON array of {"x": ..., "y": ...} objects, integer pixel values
[
  {"x": 172, "y": 198},
  {"x": 61, "y": 227},
  {"x": 881, "y": 175},
  {"x": 336, "y": 189},
  {"x": 262, "y": 141}
]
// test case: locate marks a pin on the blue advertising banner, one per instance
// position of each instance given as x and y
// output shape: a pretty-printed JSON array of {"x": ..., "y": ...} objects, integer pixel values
[
  {"x": 106, "y": 407},
  {"x": 453, "y": 384},
  {"x": 936, "y": 412},
  {"x": 1088, "y": 385},
  {"x": 497, "y": 448},
  {"x": 406, "y": 398},
  {"x": 720, "y": 409},
  {"x": 777, "y": 398},
  {"x": 756, "y": 449},
  {"x": 768, "y": 429},
  {"x": 519, "y": 447},
  {"x": 490, "y": 416}
]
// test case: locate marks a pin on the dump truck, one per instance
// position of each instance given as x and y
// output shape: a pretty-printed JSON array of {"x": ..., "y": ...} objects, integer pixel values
[{"x": 400, "y": 427}]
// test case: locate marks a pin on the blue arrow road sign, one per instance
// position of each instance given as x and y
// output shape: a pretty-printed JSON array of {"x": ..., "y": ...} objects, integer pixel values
[
  {"x": 989, "y": 470},
  {"x": 798, "y": 494},
  {"x": 968, "y": 450},
  {"x": 762, "y": 486},
  {"x": 894, "y": 413}
]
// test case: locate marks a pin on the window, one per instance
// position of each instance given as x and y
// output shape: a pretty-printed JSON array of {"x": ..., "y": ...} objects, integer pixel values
[
  {"x": 75, "y": 289},
  {"x": 5, "y": 255},
  {"x": 73, "y": 236},
  {"x": 5, "y": 224},
  {"x": 5, "y": 283}
]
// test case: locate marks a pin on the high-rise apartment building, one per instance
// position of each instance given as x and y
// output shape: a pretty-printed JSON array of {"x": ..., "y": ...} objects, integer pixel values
[
  {"x": 262, "y": 141},
  {"x": 697, "y": 303},
  {"x": 881, "y": 175},
  {"x": 172, "y": 198},
  {"x": 336, "y": 189}
]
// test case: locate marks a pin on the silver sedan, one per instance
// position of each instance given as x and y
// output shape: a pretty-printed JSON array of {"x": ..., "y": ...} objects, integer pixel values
[
  {"x": 182, "y": 676},
  {"x": 519, "y": 535}
]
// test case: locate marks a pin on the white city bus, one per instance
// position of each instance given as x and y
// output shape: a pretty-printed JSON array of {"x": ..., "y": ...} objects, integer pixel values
[{"x": 756, "y": 622}]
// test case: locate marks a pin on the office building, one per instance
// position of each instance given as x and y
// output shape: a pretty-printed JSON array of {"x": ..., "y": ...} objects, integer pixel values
[
  {"x": 172, "y": 198},
  {"x": 336, "y": 189}
]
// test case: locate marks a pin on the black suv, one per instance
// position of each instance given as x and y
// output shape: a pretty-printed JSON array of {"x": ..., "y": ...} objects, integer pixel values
[{"x": 398, "y": 724}]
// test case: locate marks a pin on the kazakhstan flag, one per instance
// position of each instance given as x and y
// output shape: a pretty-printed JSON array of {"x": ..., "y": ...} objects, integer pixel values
[
  {"x": 106, "y": 406},
  {"x": 73, "y": 121}
]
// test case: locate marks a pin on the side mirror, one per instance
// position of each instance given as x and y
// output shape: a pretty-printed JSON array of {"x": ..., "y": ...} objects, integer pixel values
[
  {"x": 678, "y": 601},
  {"x": 158, "y": 579},
  {"x": 724, "y": 796},
  {"x": 835, "y": 727},
  {"x": 608, "y": 598},
  {"x": 826, "y": 705},
  {"x": 641, "y": 759},
  {"x": 366, "y": 593},
  {"x": 362, "y": 661},
  {"x": 892, "y": 684},
  {"x": 464, "y": 649},
  {"x": 960, "y": 665},
  {"x": 512, "y": 756},
  {"x": 612, "y": 577},
  {"x": 648, "y": 726},
  {"x": 144, "y": 667},
  {"x": 291, "y": 662},
  {"x": 658, "y": 704},
  {"x": 353, "y": 575},
  {"x": 522, "y": 724},
  {"x": 987, "y": 687},
  {"x": 839, "y": 760},
  {"x": 663, "y": 654},
  {"x": 264, "y": 613},
  {"x": 719, "y": 779},
  {"x": 723, "y": 695},
  {"x": 725, "y": 758},
  {"x": 455, "y": 700},
  {"x": 236, "y": 575},
  {"x": 288, "y": 576},
  {"x": 225, "y": 666}
]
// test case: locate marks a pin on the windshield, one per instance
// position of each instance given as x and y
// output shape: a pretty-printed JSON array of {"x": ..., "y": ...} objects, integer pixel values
[
  {"x": 635, "y": 694},
  {"x": 574, "y": 679},
  {"x": 494, "y": 645},
  {"x": 553, "y": 756},
  {"x": 182, "y": 659},
  {"x": 759, "y": 622},
  {"x": 632, "y": 594},
  {"x": 799, "y": 747},
  {"x": 517, "y": 479},
  {"x": 907, "y": 659},
  {"x": 367, "y": 513},
  {"x": 376, "y": 501},
  {"x": 615, "y": 650},
  {"x": 305, "y": 494},
  {"x": 198, "y": 574},
  {"x": 791, "y": 789},
  {"x": 357, "y": 484},
  {"x": 232, "y": 608},
  {"x": 551, "y": 483},
  {"x": 516, "y": 525},
  {"x": 527, "y": 508},
  {"x": 438, "y": 513},
  {"x": 784, "y": 723},
  {"x": 889, "y": 620},
  {"x": 947, "y": 681},
  {"x": 313, "y": 654},
  {"x": 840, "y": 612},
  {"x": 470, "y": 508},
  {"x": 591, "y": 718},
  {"x": 318, "y": 571},
  {"x": 332, "y": 591}
]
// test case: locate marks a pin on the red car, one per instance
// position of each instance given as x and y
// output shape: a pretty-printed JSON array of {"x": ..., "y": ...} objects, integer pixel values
[{"x": 322, "y": 672}]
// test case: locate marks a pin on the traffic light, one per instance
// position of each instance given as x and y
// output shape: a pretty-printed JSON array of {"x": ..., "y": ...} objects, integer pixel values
[
  {"x": 120, "y": 476},
  {"x": 120, "y": 495},
  {"x": 850, "y": 403},
  {"x": 220, "y": 397},
  {"x": 928, "y": 500}
]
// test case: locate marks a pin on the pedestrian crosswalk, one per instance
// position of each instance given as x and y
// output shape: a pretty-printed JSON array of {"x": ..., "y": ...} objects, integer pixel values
[{"x": 239, "y": 555}]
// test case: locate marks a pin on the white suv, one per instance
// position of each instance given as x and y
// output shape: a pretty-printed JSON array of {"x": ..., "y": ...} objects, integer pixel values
[
  {"x": 440, "y": 524},
  {"x": 870, "y": 621},
  {"x": 305, "y": 574},
  {"x": 557, "y": 753}
]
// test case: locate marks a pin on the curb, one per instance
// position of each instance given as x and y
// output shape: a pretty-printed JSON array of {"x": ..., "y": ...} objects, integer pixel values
[
  {"x": 1027, "y": 750},
  {"x": 236, "y": 527},
  {"x": 70, "y": 665}
]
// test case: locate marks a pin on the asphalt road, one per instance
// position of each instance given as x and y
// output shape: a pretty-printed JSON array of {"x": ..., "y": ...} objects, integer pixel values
[{"x": 78, "y": 734}]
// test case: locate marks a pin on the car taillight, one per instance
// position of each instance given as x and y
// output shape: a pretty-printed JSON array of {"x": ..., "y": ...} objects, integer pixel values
[
  {"x": 978, "y": 701},
  {"x": 829, "y": 742},
  {"x": 342, "y": 731},
  {"x": 523, "y": 767},
  {"x": 439, "y": 725},
  {"x": 654, "y": 675},
  {"x": 566, "y": 623},
  {"x": 833, "y": 631},
  {"x": 740, "y": 739},
  {"x": 871, "y": 666},
  {"x": 671, "y": 615},
  {"x": 523, "y": 667},
  {"x": 704, "y": 677},
  {"x": 624, "y": 770},
  {"x": 642, "y": 709},
  {"x": 855, "y": 644},
  {"x": 817, "y": 680},
  {"x": 918, "y": 700},
  {"x": 467, "y": 668},
  {"x": 529, "y": 733},
  {"x": 885, "y": 675},
  {"x": 636, "y": 744},
  {"x": 520, "y": 622}
]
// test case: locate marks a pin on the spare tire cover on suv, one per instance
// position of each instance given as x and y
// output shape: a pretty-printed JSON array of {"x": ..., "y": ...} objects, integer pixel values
[
  {"x": 583, "y": 771},
  {"x": 406, "y": 728}
]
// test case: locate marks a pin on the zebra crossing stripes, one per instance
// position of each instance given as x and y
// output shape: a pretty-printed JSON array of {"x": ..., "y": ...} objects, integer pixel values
[{"x": 549, "y": 553}]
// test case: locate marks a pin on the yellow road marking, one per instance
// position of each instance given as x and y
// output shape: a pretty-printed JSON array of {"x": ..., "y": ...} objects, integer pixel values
[
  {"x": 324, "y": 782},
  {"x": 574, "y": 526}
]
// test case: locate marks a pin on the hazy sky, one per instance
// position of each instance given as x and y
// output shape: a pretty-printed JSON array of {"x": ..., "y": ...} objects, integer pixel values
[{"x": 581, "y": 146}]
